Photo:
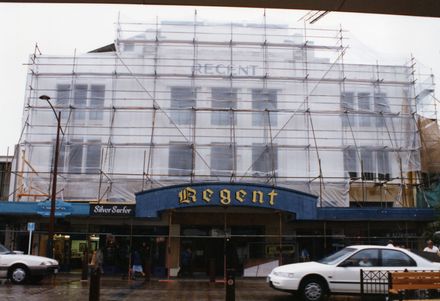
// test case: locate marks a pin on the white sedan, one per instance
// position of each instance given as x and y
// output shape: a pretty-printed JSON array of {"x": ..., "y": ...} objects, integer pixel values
[
  {"x": 340, "y": 272},
  {"x": 20, "y": 268}
]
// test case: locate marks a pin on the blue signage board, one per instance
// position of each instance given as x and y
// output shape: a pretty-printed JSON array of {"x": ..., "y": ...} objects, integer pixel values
[
  {"x": 150, "y": 203},
  {"x": 62, "y": 208},
  {"x": 31, "y": 226}
]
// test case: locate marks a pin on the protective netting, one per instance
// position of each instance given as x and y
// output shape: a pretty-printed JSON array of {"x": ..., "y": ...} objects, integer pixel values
[{"x": 190, "y": 101}]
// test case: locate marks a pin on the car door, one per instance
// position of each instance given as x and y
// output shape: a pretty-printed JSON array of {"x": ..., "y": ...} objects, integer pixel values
[{"x": 346, "y": 275}]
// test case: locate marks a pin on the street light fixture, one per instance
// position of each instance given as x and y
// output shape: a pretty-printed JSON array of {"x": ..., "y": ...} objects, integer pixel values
[{"x": 50, "y": 242}]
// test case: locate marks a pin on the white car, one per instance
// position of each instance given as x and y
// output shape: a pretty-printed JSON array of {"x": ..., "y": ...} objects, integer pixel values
[
  {"x": 20, "y": 268},
  {"x": 340, "y": 272}
]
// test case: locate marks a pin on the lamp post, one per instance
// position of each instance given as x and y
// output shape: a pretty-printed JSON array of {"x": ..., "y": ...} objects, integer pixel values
[{"x": 50, "y": 243}]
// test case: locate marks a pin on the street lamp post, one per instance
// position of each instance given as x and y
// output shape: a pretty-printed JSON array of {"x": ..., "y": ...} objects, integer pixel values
[{"x": 50, "y": 243}]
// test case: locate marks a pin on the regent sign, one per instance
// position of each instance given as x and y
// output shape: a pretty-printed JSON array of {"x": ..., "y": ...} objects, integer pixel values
[
  {"x": 222, "y": 69},
  {"x": 150, "y": 203},
  {"x": 225, "y": 196}
]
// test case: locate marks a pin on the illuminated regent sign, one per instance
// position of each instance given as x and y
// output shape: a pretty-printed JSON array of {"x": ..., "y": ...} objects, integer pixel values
[
  {"x": 222, "y": 69},
  {"x": 150, "y": 203},
  {"x": 225, "y": 196}
]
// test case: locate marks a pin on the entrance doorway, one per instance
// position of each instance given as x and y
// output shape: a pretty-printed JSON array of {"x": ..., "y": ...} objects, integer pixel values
[{"x": 214, "y": 250}]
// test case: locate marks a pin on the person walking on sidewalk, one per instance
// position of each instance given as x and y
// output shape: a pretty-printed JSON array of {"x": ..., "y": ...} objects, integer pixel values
[{"x": 136, "y": 264}]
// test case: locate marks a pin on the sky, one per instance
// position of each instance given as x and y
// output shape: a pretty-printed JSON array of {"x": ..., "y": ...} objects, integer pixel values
[{"x": 62, "y": 29}]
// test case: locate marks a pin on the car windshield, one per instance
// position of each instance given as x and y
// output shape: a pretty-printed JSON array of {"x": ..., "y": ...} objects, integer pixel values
[
  {"x": 335, "y": 257},
  {"x": 3, "y": 249}
]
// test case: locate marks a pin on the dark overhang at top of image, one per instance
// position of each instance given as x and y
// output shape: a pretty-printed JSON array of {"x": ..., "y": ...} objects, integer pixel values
[{"x": 423, "y": 8}]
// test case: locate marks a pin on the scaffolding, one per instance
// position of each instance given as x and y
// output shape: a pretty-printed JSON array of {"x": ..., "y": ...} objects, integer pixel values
[{"x": 175, "y": 102}]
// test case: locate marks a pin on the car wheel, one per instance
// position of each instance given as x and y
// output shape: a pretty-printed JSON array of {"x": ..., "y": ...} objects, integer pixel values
[
  {"x": 18, "y": 274},
  {"x": 313, "y": 289}
]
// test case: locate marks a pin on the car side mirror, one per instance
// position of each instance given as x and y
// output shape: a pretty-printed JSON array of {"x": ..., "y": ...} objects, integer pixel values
[{"x": 347, "y": 263}]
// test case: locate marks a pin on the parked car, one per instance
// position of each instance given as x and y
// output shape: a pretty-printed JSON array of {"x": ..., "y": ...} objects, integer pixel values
[
  {"x": 20, "y": 268},
  {"x": 340, "y": 272}
]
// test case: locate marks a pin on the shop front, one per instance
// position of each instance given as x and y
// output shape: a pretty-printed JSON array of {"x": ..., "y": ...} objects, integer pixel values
[{"x": 226, "y": 225}]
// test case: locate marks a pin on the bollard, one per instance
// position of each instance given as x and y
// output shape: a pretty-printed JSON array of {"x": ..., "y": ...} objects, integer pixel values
[
  {"x": 95, "y": 279},
  {"x": 230, "y": 285}
]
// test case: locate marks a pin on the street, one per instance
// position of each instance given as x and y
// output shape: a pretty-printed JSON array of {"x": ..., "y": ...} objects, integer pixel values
[{"x": 69, "y": 287}]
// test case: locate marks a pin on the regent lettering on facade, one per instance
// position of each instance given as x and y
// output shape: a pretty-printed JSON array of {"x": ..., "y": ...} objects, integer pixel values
[
  {"x": 222, "y": 69},
  {"x": 225, "y": 196}
]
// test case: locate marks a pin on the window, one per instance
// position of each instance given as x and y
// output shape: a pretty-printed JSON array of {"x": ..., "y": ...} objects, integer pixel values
[
  {"x": 62, "y": 101},
  {"x": 381, "y": 106},
  {"x": 350, "y": 159},
  {"x": 374, "y": 164},
  {"x": 358, "y": 111},
  {"x": 222, "y": 160},
  {"x": 82, "y": 157},
  {"x": 97, "y": 95},
  {"x": 264, "y": 99},
  {"x": 365, "y": 108},
  {"x": 347, "y": 105},
  {"x": 183, "y": 99},
  {"x": 364, "y": 258},
  {"x": 223, "y": 98},
  {"x": 264, "y": 158},
  {"x": 368, "y": 166},
  {"x": 395, "y": 258},
  {"x": 383, "y": 165},
  {"x": 80, "y": 101},
  {"x": 88, "y": 101},
  {"x": 180, "y": 161}
]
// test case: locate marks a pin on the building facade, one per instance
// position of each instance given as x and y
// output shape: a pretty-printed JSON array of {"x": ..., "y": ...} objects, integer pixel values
[{"x": 247, "y": 123}]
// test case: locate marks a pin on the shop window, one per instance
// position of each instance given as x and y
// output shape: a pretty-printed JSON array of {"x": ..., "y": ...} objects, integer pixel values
[
  {"x": 226, "y": 99},
  {"x": 222, "y": 159},
  {"x": 264, "y": 159},
  {"x": 264, "y": 101},
  {"x": 183, "y": 99},
  {"x": 180, "y": 159}
]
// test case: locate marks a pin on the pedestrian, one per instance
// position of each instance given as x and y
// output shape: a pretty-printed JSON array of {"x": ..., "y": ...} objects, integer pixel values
[
  {"x": 304, "y": 256},
  {"x": 136, "y": 264},
  {"x": 186, "y": 262},
  {"x": 430, "y": 248}
]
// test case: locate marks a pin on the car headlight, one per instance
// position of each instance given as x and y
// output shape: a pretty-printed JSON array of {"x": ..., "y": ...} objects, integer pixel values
[
  {"x": 49, "y": 262},
  {"x": 284, "y": 274}
]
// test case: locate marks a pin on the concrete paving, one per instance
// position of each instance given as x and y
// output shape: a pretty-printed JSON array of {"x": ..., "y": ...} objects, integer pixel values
[{"x": 69, "y": 287}]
